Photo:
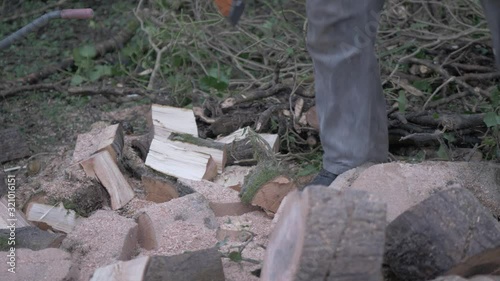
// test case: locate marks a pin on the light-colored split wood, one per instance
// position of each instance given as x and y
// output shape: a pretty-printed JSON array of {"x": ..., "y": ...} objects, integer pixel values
[
  {"x": 109, "y": 138},
  {"x": 103, "y": 167},
  {"x": 57, "y": 217},
  {"x": 167, "y": 119},
  {"x": 132, "y": 270},
  {"x": 9, "y": 214},
  {"x": 173, "y": 160},
  {"x": 240, "y": 134}
]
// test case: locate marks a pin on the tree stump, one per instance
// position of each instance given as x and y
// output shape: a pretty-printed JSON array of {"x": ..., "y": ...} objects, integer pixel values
[
  {"x": 442, "y": 231},
  {"x": 323, "y": 234}
]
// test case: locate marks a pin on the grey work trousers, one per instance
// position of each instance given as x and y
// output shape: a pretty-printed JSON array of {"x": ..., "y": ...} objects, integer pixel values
[{"x": 349, "y": 99}]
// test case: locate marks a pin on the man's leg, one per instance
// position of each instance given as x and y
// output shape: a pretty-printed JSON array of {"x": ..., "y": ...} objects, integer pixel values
[
  {"x": 492, "y": 12},
  {"x": 349, "y": 100}
]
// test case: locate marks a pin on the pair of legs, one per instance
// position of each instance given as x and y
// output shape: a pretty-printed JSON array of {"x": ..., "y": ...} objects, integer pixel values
[{"x": 349, "y": 99}]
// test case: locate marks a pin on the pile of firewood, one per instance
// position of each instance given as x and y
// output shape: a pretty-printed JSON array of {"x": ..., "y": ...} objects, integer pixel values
[{"x": 324, "y": 234}]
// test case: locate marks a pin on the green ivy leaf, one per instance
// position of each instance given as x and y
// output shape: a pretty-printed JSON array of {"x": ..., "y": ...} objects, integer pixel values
[
  {"x": 208, "y": 82},
  {"x": 99, "y": 71},
  {"x": 422, "y": 85},
  {"x": 235, "y": 256},
  {"x": 491, "y": 119},
  {"x": 443, "y": 152},
  {"x": 77, "y": 80},
  {"x": 88, "y": 51}
]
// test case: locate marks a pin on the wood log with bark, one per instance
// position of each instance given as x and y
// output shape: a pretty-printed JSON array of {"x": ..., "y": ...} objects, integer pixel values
[
  {"x": 323, "y": 234},
  {"x": 443, "y": 231},
  {"x": 12, "y": 145},
  {"x": 30, "y": 237},
  {"x": 266, "y": 186},
  {"x": 202, "y": 265}
]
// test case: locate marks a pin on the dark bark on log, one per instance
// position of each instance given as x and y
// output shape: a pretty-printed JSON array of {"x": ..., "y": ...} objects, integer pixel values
[
  {"x": 12, "y": 145},
  {"x": 439, "y": 233},
  {"x": 327, "y": 235},
  {"x": 450, "y": 121},
  {"x": 32, "y": 238},
  {"x": 203, "y": 265},
  {"x": 487, "y": 262}
]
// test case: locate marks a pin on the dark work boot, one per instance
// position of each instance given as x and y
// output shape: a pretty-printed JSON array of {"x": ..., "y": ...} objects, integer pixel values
[{"x": 324, "y": 178}]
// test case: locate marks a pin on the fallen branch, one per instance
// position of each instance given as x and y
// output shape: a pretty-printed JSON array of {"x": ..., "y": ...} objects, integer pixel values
[
  {"x": 255, "y": 95},
  {"x": 450, "y": 121},
  {"x": 112, "y": 44},
  {"x": 38, "y": 87},
  {"x": 447, "y": 76}
]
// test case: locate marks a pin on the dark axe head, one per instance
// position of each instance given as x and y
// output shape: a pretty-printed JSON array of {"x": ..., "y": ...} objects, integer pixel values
[{"x": 231, "y": 9}]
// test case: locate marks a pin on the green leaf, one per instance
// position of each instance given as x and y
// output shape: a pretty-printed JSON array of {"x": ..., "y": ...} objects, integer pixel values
[
  {"x": 208, "y": 82},
  {"x": 99, "y": 71},
  {"x": 443, "y": 152},
  {"x": 450, "y": 137},
  {"x": 88, "y": 51},
  {"x": 422, "y": 85},
  {"x": 219, "y": 75},
  {"x": 495, "y": 97},
  {"x": 77, "y": 80},
  {"x": 491, "y": 119},
  {"x": 402, "y": 101},
  {"x": 235, "y": 256}
]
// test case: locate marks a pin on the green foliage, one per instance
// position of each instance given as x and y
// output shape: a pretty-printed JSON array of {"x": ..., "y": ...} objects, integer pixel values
[
  {"x": 235, "y": 256},
  {"x": 216, "y": 79},
  {"x": 402, "y": 101},
  {"x": 87, "y": 69},
  {"x": 423, "y": 85},
  {"x": 491, "y": 119},
  {"x": 443, "y": 152}
]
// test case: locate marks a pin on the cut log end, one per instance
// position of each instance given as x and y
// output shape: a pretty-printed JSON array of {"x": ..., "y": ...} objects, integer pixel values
[{"x": 326, "y": 235}]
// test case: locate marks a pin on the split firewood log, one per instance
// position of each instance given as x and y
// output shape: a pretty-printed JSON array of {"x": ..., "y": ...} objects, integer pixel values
[{"x": 266, "y": 186}]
